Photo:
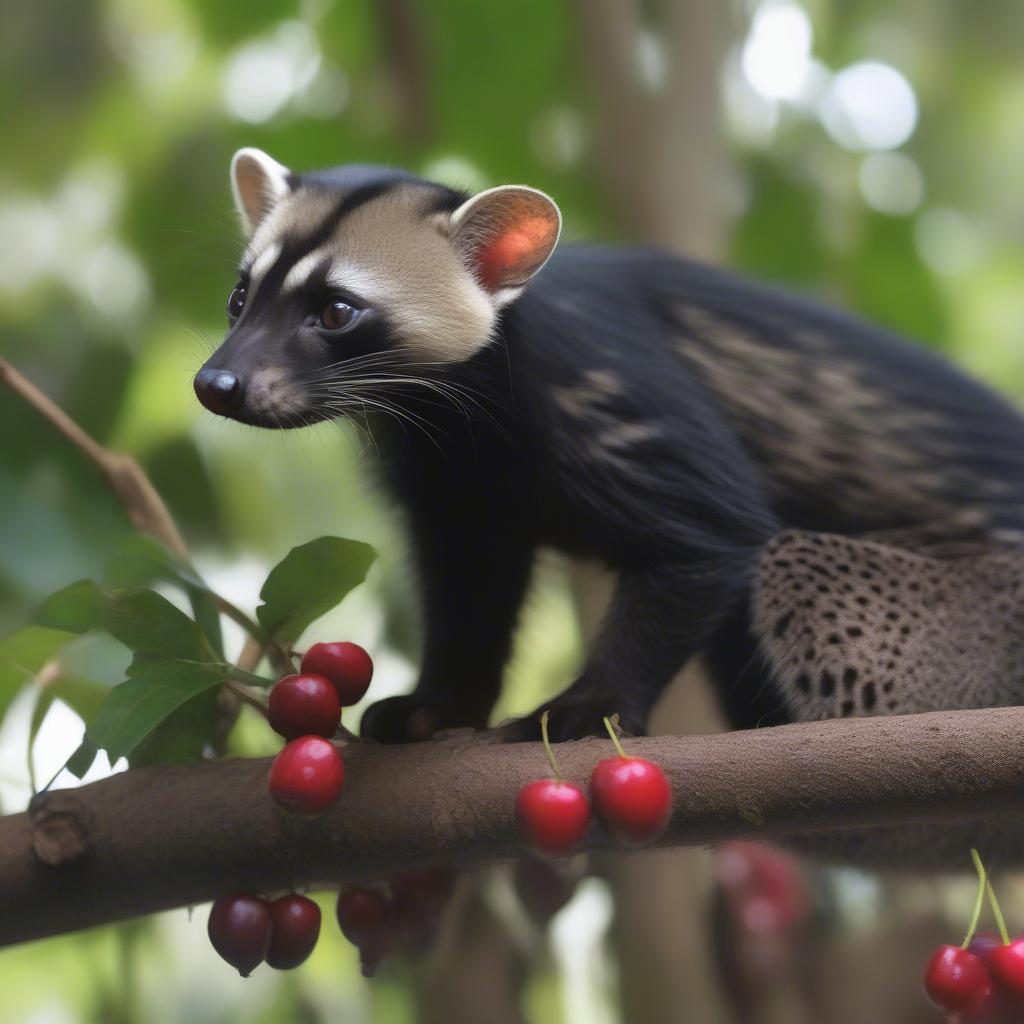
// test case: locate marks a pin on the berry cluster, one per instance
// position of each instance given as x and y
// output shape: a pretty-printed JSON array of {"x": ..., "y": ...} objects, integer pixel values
[
  {"x": 403, "y": 912},
  {"x": 246, "y": 930},
  {"x": 983, "y": 978},
  {"x": 762, "y": 888},
  {"x": 307, "y": 775},
  {"x": 631, "y": 797}
]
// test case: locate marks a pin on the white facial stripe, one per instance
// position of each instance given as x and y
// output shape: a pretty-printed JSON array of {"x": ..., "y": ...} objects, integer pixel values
[
  {"x": 358, "y": 280},
  {"x": 264, "y": 261},
  {"x": 342, "y": 274},
  {"x": 301, "y": 269}
]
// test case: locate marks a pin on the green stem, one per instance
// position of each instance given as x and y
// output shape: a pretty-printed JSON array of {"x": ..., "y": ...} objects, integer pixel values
[
  {"x": 979, "y": 899},
  {"x": 243, "y": 676},
  {"x": 279, "y": 657},
  {"x": 547, "y": 745},
  {"x": 615, "y": 739},
  {"x": 1000, "y": 920},
  {"x": 247, "y": 696}
]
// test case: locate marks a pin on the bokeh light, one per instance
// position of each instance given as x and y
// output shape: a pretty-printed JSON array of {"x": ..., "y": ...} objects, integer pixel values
[
  {"x": 776, "y": 57},
  {"x": 869, "y": 106}
]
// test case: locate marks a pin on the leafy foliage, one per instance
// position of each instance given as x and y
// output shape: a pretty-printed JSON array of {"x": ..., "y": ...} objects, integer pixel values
[
  {"x": 166, "y": 710},
  {"x": 136, "y": 707},
  {"x": 309, "y": 581}
]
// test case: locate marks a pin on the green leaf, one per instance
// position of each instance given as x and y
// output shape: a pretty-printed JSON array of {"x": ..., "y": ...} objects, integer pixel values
[
  {"x": 77, "y": 608},
  {"x": 207, "y": 615},
  {"x": 22, "y": 654},
  {"x": 309, "y": 581},
  {"x": 135, "y": 708},
  {"x": 184, "y": 734},
  {"x": 83, "y": 696},
  {"x": 142, "y": 560},
  {"x": 81, "y": 760},
  {"x": 154, "y": 629}
]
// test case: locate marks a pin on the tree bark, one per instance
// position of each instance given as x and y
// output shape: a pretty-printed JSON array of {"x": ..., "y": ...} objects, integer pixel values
[
  {"x": 660, "y": 151},
  {"x": 155, "y": 838}
]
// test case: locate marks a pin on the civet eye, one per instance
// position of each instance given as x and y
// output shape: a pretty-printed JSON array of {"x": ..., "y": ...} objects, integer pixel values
[
  {"x": 236, "y": 301},
  {"x": 336, "y": 315}
]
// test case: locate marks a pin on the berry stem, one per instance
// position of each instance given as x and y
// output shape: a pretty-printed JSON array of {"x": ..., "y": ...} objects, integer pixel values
[
  {"x": 979, "y": 899},
  {"x": 547, "y": 745},
  {"x": 1000, "y": 920},
  {"x": 615, "y": 739},
  {"x": 279, "y": 657},
  {"x": 248, "y": 695},
  {"x": 242, "y": 675}
]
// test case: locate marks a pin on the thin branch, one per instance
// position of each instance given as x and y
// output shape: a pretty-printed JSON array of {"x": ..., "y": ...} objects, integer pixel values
[
  {"x": 170, "y": 836},
  {"x": 248, "y": 695},
  {"x": 144, "y": 507}
]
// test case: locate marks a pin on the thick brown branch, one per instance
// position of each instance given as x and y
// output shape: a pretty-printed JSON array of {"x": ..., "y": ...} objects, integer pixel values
[{"x": 155, "y": 838}]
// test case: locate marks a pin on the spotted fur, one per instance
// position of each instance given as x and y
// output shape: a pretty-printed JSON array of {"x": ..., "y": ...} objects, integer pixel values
[{"x": 850, "y": 627}]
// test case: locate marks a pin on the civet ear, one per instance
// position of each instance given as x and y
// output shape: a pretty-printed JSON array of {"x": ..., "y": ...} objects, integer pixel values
[
  {"x": 504, "y": 236},
  {"x": 258, "y": 182}
]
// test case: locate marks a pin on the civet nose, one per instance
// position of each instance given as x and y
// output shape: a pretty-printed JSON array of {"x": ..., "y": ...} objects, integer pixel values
[{"x": 219, "y": 390}]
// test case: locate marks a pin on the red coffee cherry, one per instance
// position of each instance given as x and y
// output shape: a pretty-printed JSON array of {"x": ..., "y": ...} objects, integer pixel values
[
  {"x": 552, "y": 816},
  {"x": 365, "y": 916},
  {"x": 304, "y": 705},
  {"x": 307, "y": 776},
  {"x": 956, "y": 980},
  {"x": 367, "y": 920},
  {"x": 346, "y": 665},
  {"x": 295, "y": 928},
  {"x": 1006, "y": 964},
  {"x": 239, "y": 928},
  {"x": 632, "y": 798}
]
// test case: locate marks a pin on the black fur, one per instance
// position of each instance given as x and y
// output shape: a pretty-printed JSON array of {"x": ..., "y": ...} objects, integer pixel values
[
  {"x": 681, "y": 516},
  {"x": 603, "y": 424}
]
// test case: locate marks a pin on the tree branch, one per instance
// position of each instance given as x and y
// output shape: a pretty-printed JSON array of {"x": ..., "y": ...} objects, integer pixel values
[
  {"x": 145, "y": 508},
  {"x": 155, "y": 838}
]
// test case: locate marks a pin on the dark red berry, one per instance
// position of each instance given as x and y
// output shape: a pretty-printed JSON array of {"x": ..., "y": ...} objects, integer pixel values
[
  {"x": 420, "y": 897},
  {"x": 423, "y": 886},
  {"x": 763, "y": 886},
  {"x": 552, "y": 816},
  {"x": 632, "y": 798},
  {"x": 296, "y": 927},
  {"x": 239, "y": 928},
  {"x": 366, "y": 918},
  {"x": 304, "y": 705},
  {"x": 346, "y": 665},
  {"x": 1006, "y": 965},
  {"x": 362, "y": 913},
  {"x": 543, "y": 887},
  {"x": 956, "y": 980},
  {"x": 307, "y": 776}
]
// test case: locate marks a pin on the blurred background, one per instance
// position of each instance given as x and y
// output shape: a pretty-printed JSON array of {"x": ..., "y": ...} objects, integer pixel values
[{"x": 864, "y": 152}]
